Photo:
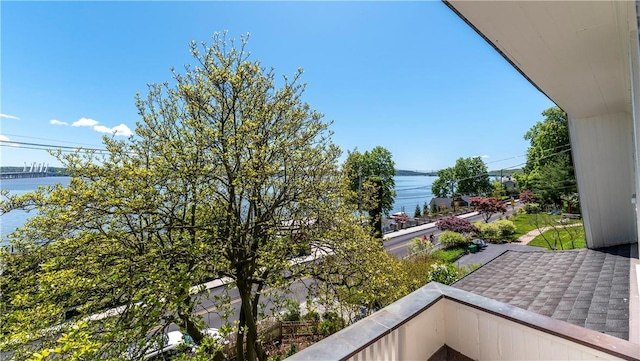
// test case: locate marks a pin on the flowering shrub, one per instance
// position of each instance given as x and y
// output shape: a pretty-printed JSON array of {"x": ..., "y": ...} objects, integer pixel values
[
  {"x": 527, "y": 197},
  {"x": 451, "y": 239},
  {"x": 445, "y": 273},
  {"x": 455, "y": 224},
  {"x": 488, "y": 206}
]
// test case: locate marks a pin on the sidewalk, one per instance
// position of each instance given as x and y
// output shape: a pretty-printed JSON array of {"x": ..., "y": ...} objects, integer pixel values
[
  {"x": 420, "y": 228},
  {"x": 526, "y": 238},
  {"x": 494, "y": 250}
]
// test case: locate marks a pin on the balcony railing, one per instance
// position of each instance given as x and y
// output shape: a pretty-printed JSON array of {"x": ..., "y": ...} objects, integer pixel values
[{"x": 436, "y": 318}]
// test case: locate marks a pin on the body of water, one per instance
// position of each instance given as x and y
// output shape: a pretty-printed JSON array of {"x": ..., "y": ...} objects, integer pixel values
[
  {"x": 14, "y": 219},
  {"x": 411, "y": 190}
]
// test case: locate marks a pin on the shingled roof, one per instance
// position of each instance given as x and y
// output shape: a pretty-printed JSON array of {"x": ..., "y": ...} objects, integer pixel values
[{"x": 589, "y": 288}]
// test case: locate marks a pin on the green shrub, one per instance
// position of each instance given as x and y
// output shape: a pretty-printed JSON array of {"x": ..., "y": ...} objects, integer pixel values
[
  {"x": 532, "y": 208},
  {"x": 507, "y": 228},
  {"x": 470, "y": 268},
  {"x": 311, "y": 316},
  {"x": 496, "y": 231},
  {"x": 293, "y": 311},
  {"x": 416, "y": 269},
  {"x": 489, "y": 231},
  {"x": 445, "y": 273},
  {"x": 418, "y": 246},
  {"x": 451, "y": 239},
  {"x": 293, "y": 349},
  {"x": 331, "y": 324}
]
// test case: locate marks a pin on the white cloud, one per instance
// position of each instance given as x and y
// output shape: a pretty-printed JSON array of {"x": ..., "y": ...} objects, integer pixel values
[
  {"x": 57, "y": 122},
  {"x": 4, "y": 139},
  {"x": 102, "y": 129},
  {"x": 121, "y": 129},
  {"x": 84, "y": 122},
  {"x": 8, "y": 116}
]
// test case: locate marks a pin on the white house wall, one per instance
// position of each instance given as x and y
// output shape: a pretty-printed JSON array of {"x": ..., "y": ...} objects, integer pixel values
[
  {"x": 584, "y": 56},
  {"x": 634, "y": 72},
  {"x": 602, "y": 149}
]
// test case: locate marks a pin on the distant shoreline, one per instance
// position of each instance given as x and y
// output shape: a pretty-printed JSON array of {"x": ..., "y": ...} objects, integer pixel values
[
  {"x": 401, "y": 172},
  {"x": 491, "y": 173}
]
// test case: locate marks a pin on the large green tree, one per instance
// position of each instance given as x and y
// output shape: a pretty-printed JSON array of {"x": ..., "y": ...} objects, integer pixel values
[
  {"x": 472, "y": 176},
  {"x": 554, "y": 181},
  {"x": 371, "y": 180},
  {"x": 227, "y": 176},
  {"x": 444, "y": 185},
  {"x": 549, "y": 170},
  {"x": 548, "y": 138},
  {"x": 468, "y": 176}
]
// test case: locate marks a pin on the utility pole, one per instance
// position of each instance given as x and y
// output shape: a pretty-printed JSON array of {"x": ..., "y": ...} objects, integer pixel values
[
  {"x": 452, "y": 182},
  {"x": 360, "y": 189}
]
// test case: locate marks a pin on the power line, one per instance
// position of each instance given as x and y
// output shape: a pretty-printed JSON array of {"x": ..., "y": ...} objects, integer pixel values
[
  {"x": 514, "y": 157},
  {"x": 409, "y": 189},
  {"x": 40, "y": 146},
  {"x": 517, "y": 165},
  {"x": 51, "y": 140}
]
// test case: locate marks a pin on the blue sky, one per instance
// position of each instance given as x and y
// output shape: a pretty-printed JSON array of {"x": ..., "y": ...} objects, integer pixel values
[{"x": 409, "y": 76}]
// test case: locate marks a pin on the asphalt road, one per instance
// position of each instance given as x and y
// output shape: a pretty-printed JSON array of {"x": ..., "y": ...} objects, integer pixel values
[
  {"x": 213, "y": 317},
  {"x": 395, "y": 245}
]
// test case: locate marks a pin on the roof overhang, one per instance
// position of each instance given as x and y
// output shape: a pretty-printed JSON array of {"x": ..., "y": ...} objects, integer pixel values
[{"x": 575, "y": 52}]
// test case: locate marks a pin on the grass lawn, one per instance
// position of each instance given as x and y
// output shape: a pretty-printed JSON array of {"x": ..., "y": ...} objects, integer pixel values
[
  {"x": 527, "y": 222},
  {"x": 524, "y": 224},
  {"x": 561, "y": 239}
]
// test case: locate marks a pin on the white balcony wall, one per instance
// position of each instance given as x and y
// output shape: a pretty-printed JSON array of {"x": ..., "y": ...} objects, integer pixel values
[
  {"x": 424, "y": 335},
  {"x": 417, "y": 326},
  {"x": 477, "y": 334},
  {"x": 385, "y": 349},
  {"x": 416, "y": 340},
  {"x": 603, "y": 149},
  {"x": 480, "y": 335}
]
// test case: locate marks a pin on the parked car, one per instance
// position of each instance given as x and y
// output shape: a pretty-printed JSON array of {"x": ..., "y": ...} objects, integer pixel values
[
  {"x": 170, "y": 344},
  {"x": 213, "y": 333}
]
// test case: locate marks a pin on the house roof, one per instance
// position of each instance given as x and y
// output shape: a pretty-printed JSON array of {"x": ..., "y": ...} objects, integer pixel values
[
  {"x": 448, "y": 201},
  {"x": 588, "y": 288},
  {"x": 441, "y": 201}
]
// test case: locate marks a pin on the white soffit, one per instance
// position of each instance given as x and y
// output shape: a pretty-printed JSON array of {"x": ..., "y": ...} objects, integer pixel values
[{"x": 576, "y": 52}]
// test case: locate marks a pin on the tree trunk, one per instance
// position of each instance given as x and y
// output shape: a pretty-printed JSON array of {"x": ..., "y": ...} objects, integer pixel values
[
  {"x": 240, "y": 336},
  {"x": 253, "y": 349},
  {"x": 187, "y": 320}
]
